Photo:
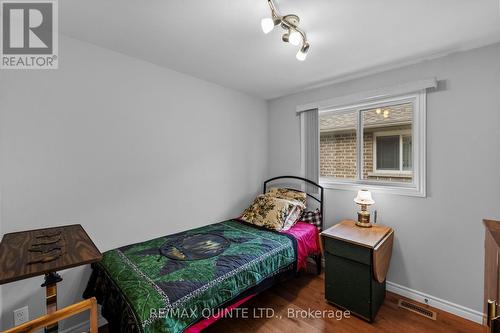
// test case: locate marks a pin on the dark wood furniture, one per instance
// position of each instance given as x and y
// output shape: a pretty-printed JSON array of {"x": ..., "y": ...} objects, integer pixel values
[
  {"x": 356, "y": 264},
  {"x": 31, "y": 253},
  {"x": 492, "y": 274}
]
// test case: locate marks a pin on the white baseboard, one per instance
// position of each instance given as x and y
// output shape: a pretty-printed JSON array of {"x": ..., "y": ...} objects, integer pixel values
[
  {"x": 83, "y": 326},
  {"x": 435, "y": 302}
]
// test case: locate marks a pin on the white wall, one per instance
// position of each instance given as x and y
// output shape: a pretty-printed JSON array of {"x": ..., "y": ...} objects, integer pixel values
[
  {"x": 128, "y": 149},
  {"x": 439, "y": 239},
  {"x": 1, "y": 233}
]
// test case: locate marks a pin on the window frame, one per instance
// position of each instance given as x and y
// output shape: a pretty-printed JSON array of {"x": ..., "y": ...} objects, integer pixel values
[
  {"x": 400, "y": 134},
  {"x": 418, "y": 185}
]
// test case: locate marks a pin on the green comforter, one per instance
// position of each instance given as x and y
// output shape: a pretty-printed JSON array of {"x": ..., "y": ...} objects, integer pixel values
[{"x": 173, "y": 281}]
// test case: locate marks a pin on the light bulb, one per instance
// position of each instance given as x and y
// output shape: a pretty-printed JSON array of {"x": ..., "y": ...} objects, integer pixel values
[
  {"x": 302, "y": 54},
  {"x": 378, "y": 111},
  {"x": 267, "y": 25},
  {"x": 386, "y": 113},
  {"x": 295, "y": 38}
]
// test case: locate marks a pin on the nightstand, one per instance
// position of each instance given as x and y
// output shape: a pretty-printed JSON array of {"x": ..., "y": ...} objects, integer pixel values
[{"x": 356, "y": 264}]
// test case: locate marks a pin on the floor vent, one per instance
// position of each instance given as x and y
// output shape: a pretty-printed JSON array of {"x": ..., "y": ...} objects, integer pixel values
[{"x": 418, "y": 309}]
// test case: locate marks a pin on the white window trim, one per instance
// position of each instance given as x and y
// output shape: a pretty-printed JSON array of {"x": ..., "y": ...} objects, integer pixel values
[
  {"x": 399, "y": 133},
  {"x": 376, "y": 94},
  {"x": 418, "y": 185}
]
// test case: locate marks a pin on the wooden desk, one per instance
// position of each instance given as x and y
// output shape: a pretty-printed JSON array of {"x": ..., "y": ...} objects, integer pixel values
[
  {"x": 77, "y": 249},
  {"x": 356, "y": 264},
  {"x": 31, "y": 253}
]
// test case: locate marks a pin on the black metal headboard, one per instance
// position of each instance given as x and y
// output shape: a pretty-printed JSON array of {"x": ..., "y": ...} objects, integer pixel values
[{"x": 307, "y": 181}]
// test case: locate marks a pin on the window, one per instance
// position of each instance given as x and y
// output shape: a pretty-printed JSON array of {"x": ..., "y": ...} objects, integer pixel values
[
  {"x": 378, "y": 145},
  {"x": 338, "y": 138},
  {"x": 392, "y": 153}
]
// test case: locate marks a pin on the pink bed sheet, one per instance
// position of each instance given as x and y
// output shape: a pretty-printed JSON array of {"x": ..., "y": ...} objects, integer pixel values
[{"x": 307, "y": 237}]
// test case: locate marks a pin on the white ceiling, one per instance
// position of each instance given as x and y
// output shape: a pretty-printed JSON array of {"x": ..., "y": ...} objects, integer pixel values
[{"x": 221, "y": 40}]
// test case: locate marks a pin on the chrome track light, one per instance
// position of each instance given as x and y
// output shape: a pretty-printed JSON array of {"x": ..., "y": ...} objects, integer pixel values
[{"x": 290, "y": 23}]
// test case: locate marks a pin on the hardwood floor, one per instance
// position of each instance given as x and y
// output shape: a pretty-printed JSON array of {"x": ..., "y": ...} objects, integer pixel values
[{"x": 307, "y": 292}]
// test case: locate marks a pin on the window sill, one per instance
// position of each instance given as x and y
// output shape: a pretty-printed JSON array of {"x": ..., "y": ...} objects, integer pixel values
[
  {"x": 376, "y": 187},
  {"x": 390, "y": 174}
]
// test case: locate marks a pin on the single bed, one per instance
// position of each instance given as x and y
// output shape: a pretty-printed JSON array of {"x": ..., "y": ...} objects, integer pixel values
[{"x": 152, "y": 287}]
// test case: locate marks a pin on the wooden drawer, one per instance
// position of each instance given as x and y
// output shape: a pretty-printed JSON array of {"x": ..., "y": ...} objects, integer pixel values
[{"x": 348, "y": 250}]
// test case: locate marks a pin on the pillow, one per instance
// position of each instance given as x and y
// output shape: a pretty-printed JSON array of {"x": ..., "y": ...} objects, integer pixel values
[
  {"x": 268, "y": 212},
  {"x": 312, "y": 217},
  {"x": 284, "y": 193},
  {"x": 293, "y": 217}
]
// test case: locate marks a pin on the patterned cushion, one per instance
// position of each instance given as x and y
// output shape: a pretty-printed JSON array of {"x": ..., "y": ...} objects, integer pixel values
[
  {"x": 268, "y": 212},
  {"x": 284, "y": 193},
  {"x": 293, "y": 217},
  {"x": 312, "y": 217}
]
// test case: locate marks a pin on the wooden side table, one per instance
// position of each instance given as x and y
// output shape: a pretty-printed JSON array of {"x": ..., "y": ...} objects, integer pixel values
[
  {"x": 356, "y": 264},
  {"x": 31, "y": 253}
]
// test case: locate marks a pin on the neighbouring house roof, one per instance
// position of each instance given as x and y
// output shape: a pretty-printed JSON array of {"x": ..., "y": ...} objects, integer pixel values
[{"x": 397, "y": 115}]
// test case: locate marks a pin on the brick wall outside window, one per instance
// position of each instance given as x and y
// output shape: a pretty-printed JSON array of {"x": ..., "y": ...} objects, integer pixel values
[{"x": 338, "y": 157}]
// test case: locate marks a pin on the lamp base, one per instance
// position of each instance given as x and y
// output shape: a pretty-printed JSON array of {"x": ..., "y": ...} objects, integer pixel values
[
  {"x": 363, "y": 219},
  {"x": 363, "y": 225}
]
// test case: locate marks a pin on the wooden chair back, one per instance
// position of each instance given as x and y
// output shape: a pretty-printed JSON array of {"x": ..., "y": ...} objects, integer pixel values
[{"x": 52, "y": 318}]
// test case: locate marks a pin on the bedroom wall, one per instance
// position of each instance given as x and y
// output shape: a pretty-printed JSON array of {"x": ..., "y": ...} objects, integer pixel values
[
  {"x": 439, "y": 239},
  {"x": 1, "y": 233},
  {"x": 128, "y": 149}
]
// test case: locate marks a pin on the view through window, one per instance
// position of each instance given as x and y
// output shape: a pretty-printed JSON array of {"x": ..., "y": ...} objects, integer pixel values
[{"x": 385, "y": 147}]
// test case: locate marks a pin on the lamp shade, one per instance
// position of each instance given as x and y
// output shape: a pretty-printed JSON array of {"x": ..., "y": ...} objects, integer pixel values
[
  {"x": 267, "y": 25},
  {"x": 302, "y": 54},
  {"x": 295, "y": 38},
  {"x": 364, "y": 197}
]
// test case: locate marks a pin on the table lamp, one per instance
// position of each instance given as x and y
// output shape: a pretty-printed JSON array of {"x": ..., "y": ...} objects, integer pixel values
[{"x": 364, "y": 199}]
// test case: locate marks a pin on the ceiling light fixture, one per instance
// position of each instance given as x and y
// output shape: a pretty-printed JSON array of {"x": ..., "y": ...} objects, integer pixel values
[{"x": 290, "y": 23}]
